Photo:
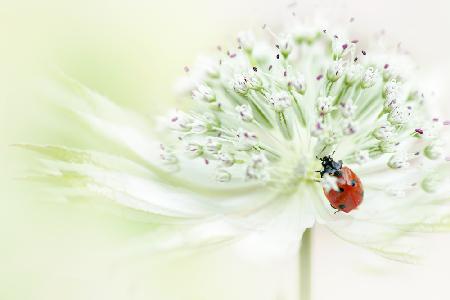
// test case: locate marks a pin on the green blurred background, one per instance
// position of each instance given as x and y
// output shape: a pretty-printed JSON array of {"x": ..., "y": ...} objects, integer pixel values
[{"x": 132, "y": 52}]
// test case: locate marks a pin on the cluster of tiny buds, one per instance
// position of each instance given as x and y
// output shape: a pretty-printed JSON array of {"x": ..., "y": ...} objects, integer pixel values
[{"x": 251, "y": 91}]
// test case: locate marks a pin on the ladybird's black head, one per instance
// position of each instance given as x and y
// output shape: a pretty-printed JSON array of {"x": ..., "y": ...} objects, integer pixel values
[{"x": 329, "y": 166}]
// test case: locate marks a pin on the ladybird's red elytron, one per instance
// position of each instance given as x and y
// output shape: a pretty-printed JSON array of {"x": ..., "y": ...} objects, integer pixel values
[{"x": 351, "y": 192}]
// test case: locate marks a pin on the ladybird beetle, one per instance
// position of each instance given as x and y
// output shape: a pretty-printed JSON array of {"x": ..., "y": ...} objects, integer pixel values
[{"x": 350, "y": 193}]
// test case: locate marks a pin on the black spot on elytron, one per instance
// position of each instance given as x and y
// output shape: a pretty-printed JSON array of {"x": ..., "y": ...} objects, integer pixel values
[
  {"x": 353, "y": 182},
  {"x": 341, "y": 189},
  {"x": 341, "y": 206}
]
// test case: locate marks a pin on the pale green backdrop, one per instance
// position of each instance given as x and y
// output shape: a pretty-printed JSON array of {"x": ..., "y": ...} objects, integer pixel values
[{"x": 132, "y": 51}]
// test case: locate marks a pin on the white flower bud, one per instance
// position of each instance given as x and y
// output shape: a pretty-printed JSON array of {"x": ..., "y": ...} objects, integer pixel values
[
  {"x": 239, "y": 84},
  {"x": 194, "y": 150},
  {"x": 203, "y": 93},
  {"x": 399, "y": 116},
  {"x": 259, "y": 160},
  {"x": 362, "y": 157},
  {"x": 353, "y": 74},
  {"x": 226, "y": 159},
  {"x": 391, "y": 89},
  {"x": 257, "y": 167},
  {"x": 246, "y": 40},
  {"x": 303, "y": 33},
  {"x": 349, "y": 127},
  {"x": 216, "y": 106},
  {"x": 389, "y": 72},
  {"x": 262, "y": 53},
  {"x": 212, "y": 147},
  {"x": 390, "y": 104},
  {"x": 347, "y": 108},
  {"x": 433, "y": 151},
  {"x": 369, "y": 78},
  {"x": 384, "y": 132},
  {"x": 285, "y": 46},
  {"x": 335, "y": 70},
  {"x": 223, "y": 176},
  {"x": 198, "y": 127},
  {"x": 416, "y": 96},
  {"x": 245, "y": 140},
  {"x": 341, "y": 47},
  {"x": 318, "y": 129},
  {"x": 211, "y": 120},
  {"x": 242, "y": 83},
  {"x": 331, "y": 137},
  {"x": 398, "y": 161},
  {"x": 253, "y": 80},
  {"x": 167, "y": 156},
  {"x": 245, "y": 112},
  {"x": 208, "y": 66},
  {"x": 431, "y": 183},
  {"x": 280, "y": 101},
  {"x": 297, "y": 83},
  {"x": 212, "y": 70},
  {"x": 324, "y": 104},
  {"x": 180, "y": 121}
]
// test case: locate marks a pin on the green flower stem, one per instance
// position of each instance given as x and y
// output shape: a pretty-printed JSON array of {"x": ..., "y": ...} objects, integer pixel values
[{"x": 305, "y": 266}]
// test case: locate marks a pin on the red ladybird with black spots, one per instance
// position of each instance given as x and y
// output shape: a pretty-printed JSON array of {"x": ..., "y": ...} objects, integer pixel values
[{"x": 350, "y": 193}]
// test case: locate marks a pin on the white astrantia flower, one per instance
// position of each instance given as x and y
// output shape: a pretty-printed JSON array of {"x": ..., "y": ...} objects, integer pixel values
[{"x": 241, "y": 164}]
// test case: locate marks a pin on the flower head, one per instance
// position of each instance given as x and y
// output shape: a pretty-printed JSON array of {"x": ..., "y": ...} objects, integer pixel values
[{"x": 252, "y": 137}]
